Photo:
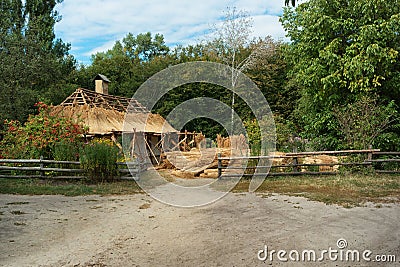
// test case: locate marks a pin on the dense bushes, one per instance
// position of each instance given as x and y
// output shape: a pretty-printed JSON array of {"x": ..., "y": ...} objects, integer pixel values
[
  {"x": 98, "y": 160},
  {"x": 39, "y": 135}
]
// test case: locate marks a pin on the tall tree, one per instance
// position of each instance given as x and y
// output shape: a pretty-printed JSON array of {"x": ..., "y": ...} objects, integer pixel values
[
  {"x": 232, "y": 45},
  {"x": 32, "y": 61},
  {"x": 341, "y": 50},
  {"x": 144, "y": 46}
]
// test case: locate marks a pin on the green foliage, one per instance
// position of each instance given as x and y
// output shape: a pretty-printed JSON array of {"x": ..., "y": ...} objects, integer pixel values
[
  {"x": 269, "y": 74},
  {"x": 39, "y": 135},
  {"x": 285, "y": 133},
  {"x": 254, "y": 136},
  {"x": 65, "y": 151},
  {"x": 321, "y": 129},
  {"x": 33, "y": 64},
  {"x": 355, "y": 169},
  {"x": 99, "y": 161},
  {"x": 186, "y": 92},
  {"x": 144, "y": 46},
  {"x": 362, "y": 122},
  {"x": 128, "y": 64},
  {"x": 341, "y": 50}
]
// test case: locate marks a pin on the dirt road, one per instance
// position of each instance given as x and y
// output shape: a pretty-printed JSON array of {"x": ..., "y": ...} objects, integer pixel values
[{"x": 235, "y": 231}]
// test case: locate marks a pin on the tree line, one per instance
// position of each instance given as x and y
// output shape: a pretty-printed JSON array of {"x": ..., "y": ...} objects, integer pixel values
[{"x": 335, "y": 85}]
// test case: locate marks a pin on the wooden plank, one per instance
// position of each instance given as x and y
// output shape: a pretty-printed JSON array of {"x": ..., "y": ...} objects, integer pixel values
[
  {"x": 386, "y": 153},
  {"x": 149, "y": 147},
  {"x": 60, "y": 162},
  {"x": 252, "y": 157},
  {"x": 219, "y": 165},
  {"x": 5, "y": 176},
  {"x": 19, "y": 160},
  {"x": 39, "y": 177},
  {"x": 300, "y": 173},
  {"x": 333, "y": 152},
  {"x": 20, "y": 168},
  {"x": 58, "y": 177},
  {"x": 62, "y": 170},
  {"x": 299, "y": 165},
  {"x": 180, "y": 142},
  {"x": 291, "y": 155},
  {"x": 38, "y": 161},
  {"x": 384, "y": 160},
  {"x": 324, "y": 164},
  {"x": 279, "y": 174},
  {"x": 39, "y": 169}
]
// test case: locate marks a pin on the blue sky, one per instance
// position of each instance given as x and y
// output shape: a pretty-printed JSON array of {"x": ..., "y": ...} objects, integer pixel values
[{"x": 94, "y": 25}]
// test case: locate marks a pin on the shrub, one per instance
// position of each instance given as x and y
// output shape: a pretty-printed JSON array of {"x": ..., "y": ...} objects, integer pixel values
[
  {"x": 99, "y": 161},
  {"x": 65, "y": 151},
  {"x": 367, "y": 122},
  {"x": 38, "y": 135}
]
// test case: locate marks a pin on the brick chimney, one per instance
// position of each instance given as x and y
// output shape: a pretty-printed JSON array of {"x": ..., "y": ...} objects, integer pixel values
[{"x": 101, "y": 82}]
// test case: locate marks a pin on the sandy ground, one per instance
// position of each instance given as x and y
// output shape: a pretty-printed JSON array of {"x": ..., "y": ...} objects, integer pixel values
[{"x": 136, "y": 230}]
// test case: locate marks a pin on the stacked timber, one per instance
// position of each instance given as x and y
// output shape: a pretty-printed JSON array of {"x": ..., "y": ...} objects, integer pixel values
[
  {"x": 321, "y": 159},
  {"x": 201, "y": 162},
  {"x": 196, "y": 163}
]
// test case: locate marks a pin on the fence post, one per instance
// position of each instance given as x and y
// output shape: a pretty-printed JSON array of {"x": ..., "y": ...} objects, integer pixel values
[
  {"x": 295, "y": 160},
  {"x": 370, "y": 153},
  {"x": 219, "y": 165},
  {"x": 369, "y": 157},
  {"x": 41, "y": 166}
]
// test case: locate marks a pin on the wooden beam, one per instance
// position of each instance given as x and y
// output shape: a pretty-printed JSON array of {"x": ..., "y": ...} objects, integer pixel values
[
  {"x": 158, "y": 163},
  {"x": 332, "y": 152}
]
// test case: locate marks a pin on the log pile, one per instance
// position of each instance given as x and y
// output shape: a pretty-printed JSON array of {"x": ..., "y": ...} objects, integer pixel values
[
  {"x": 321, "y": 159},
  {"x": 202, "y": 162},
  {"x": 195, "y": 163},
  {"x": 280, "y": 160}
]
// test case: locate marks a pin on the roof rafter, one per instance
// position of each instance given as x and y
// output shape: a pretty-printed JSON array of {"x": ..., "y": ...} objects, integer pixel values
[{"x": 83, "y": 96}]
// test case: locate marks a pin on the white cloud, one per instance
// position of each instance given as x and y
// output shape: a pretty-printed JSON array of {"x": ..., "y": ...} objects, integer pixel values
[
  {"x": 94, "y": 25},
  {"x": 268, "y": 25},
  {"x": 104, "y": 47}
]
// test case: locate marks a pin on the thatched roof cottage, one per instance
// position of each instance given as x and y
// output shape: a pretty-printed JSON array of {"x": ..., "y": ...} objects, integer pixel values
[{"x": 105, "y": 114}]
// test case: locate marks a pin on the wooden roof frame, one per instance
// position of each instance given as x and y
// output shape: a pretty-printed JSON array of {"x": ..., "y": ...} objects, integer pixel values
[{"x": 83, "y": 96}]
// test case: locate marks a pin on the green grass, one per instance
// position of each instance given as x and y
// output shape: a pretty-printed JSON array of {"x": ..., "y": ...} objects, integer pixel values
[
  {"x": 346, "y": 190},
  {"x": 67, "y": 188}
]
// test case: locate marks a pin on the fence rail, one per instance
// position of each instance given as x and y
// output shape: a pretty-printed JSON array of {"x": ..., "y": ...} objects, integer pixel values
[
  {"x": 272, "y": 165},
  {"x": 42, "y": 168},
  {"x": 295, "y": 164}
]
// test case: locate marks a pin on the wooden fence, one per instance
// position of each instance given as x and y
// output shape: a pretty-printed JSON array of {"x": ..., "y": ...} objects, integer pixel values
[
  {"x": 277, "y": 165},
  {"x": 42, "y": 168},
  {"x": 297, "y": 165}
]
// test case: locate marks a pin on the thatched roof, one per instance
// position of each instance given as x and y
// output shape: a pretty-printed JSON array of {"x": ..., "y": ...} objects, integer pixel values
[{"x": 104, "y": 114}]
